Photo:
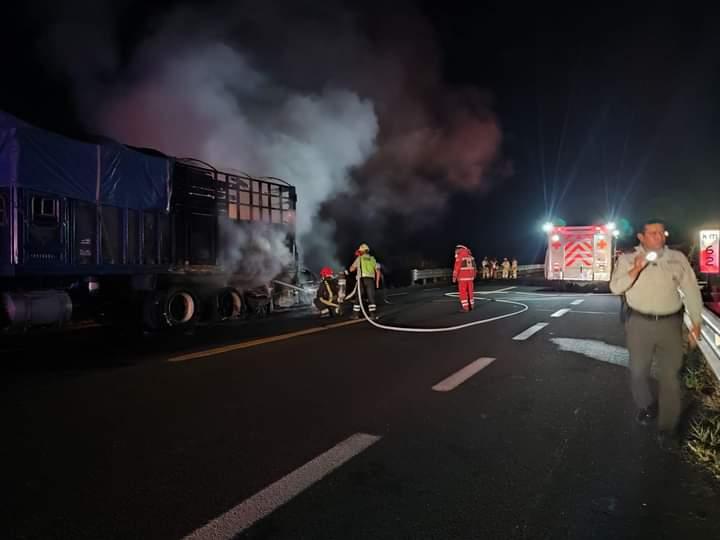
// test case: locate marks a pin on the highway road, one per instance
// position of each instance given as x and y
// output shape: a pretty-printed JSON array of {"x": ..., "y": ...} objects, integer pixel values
[{"x": 519, "y": 426}]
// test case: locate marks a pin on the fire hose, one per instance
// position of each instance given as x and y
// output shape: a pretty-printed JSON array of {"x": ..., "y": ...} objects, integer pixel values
[{"x": 376, "y": 324}]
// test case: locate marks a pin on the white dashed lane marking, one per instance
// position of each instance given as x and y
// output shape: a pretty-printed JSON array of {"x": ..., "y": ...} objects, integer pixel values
[
  {"x": 456, "y": 379},
  {"x": 239, "y": 518},
  {"x": 522, "y": 336}
]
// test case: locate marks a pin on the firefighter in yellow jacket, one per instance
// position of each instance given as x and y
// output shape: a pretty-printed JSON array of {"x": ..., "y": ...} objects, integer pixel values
[{"x": 368, "y": 280}]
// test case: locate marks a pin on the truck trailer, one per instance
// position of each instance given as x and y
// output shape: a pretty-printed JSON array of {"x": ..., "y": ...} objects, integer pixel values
[{"x": 108, "y": 232}]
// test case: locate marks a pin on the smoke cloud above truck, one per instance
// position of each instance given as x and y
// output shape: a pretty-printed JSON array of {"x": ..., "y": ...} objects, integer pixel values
[{"x": 351, "y": 110}]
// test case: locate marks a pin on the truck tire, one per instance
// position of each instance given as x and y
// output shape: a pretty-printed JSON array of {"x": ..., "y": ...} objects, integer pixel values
[
  {"x": 228, "y": 304},
  {"x": 180, "y": 307},
  {"x": 175, "y": 308}
]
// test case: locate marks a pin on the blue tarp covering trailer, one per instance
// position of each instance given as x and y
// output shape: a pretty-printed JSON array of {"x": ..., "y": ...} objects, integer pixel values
[
  {"x": 106, "y": 173},
  {"x": 72, "y": 204}
]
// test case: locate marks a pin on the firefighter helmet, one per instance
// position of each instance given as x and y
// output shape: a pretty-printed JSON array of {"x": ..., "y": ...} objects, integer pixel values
[
  {"x": 326, "y": 272},
  {"x": 364, "y": 248}
]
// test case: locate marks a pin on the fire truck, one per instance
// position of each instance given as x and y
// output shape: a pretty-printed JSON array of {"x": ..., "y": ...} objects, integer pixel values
[{"x": 579, "y": 253}]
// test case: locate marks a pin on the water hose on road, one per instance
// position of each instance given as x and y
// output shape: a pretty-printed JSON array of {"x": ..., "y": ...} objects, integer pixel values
[{"x": 434, "y": 330}]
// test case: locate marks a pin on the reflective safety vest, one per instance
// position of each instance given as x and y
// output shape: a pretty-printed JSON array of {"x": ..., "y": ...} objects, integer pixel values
[
  {"x": 464, "y": 269},
  {"x": 368, "y": 265}
]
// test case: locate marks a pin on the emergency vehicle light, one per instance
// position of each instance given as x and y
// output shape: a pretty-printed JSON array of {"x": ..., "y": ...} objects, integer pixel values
[
  {"x": 547, "y": 227},
  {"x": 611, "y": 226}
]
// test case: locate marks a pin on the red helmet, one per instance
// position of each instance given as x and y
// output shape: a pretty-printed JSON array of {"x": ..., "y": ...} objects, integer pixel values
[{"x": 325, "y": 272}]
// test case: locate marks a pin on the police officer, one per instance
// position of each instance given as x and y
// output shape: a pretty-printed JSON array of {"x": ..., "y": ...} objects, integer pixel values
[
  {"x": 369, "y": 280},
  {"x": 649, "y": 279}
]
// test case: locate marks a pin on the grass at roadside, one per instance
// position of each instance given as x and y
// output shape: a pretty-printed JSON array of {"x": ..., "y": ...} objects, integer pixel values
[{"x": 702, "y": 440}]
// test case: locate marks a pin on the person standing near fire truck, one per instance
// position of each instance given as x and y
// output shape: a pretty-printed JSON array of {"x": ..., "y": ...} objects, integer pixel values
[{"x": 464, "y": 273}]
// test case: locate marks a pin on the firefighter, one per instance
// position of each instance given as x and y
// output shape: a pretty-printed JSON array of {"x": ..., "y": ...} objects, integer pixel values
[
  {"x": 514, "y": 268},
  {"x": 485, "y": 268},
  {"x": 365, "y": 266},
  {"x": 328, "y": 298},
  {"x": 464, "y": 273},
  {"x": 505, "y": 268}
]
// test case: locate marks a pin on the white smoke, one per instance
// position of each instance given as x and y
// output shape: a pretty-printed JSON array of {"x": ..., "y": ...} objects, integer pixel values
[
  {"x": 209, "y": 103},
  {"x": 349, "y": 107},
  {"x": 255, "y": 252}
]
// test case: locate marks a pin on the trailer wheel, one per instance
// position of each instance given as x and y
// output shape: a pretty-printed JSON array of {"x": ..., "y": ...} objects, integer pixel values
[
  {"x": 174, "y": 308},
  {"x": 228, "y": 304},
  {"x": 180, "y": 307}
]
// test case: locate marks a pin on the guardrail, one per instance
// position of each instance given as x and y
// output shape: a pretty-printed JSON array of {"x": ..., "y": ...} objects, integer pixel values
[
  {"x": 437, "y": 275},
  {"x": 709, "y": 345}
]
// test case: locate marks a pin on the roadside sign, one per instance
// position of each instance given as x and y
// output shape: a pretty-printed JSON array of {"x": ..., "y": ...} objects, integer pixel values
[{"x": 710, "y": 251}]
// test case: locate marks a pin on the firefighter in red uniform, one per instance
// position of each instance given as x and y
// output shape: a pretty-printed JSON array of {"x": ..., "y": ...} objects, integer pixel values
[{"x": 464, "y": 273}]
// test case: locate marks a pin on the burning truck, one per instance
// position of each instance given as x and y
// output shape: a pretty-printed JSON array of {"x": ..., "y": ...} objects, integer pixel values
[{"x": 114, "y": 233}]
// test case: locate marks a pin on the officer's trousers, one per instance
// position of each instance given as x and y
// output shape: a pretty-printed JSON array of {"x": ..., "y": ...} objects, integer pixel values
[{"x": 661, "y": 340}]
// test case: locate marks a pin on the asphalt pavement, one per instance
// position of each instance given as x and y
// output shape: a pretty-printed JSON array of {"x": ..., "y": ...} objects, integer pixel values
[{"x": 519, "y": 425}]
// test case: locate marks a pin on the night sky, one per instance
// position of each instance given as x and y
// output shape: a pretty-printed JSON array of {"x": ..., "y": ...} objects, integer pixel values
[
  {"x": 618, "y": 109},
  {"x": 604, "y": 113}
]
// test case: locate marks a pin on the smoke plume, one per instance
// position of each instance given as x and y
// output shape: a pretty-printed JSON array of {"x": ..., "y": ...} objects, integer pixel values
[
  {"x": 348, "y": 107},
  {"x": 256, "y": 253}
]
